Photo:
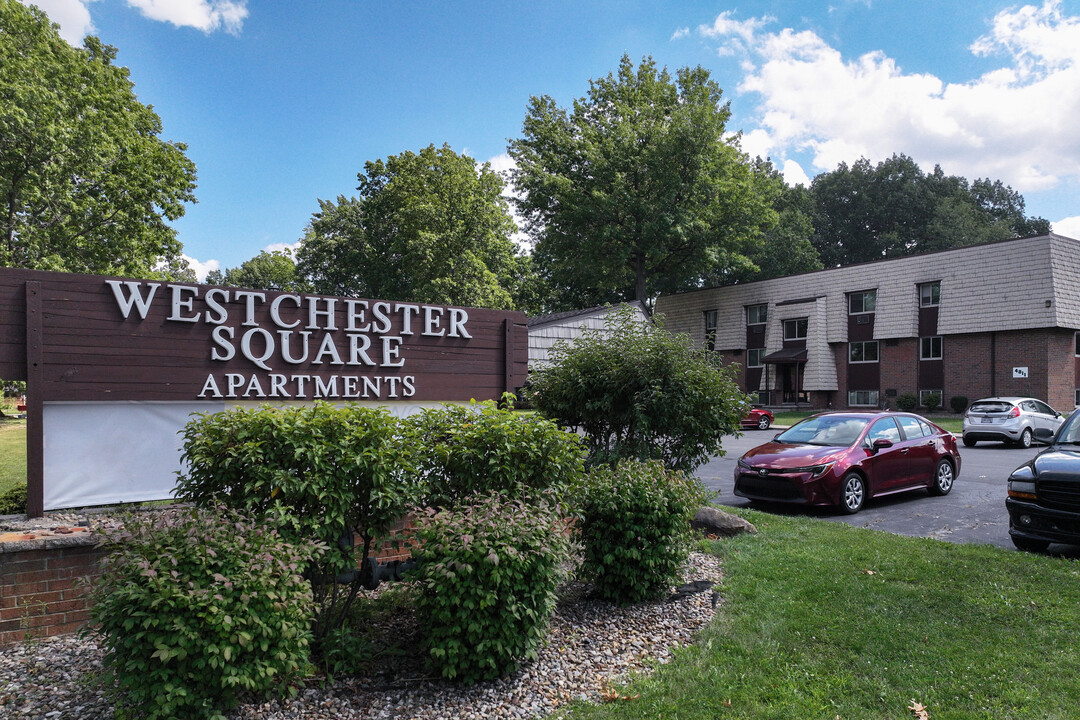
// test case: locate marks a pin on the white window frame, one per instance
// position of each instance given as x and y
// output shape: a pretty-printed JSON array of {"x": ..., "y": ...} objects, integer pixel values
[
  {"x": 873, "y": 397},
  {"x": 755, "y": 353},
  {"x": 764, "y": 308},
  {"x": 795, "y": 322},
  {"x": 862, "y": 294},
  {"x": 930, "y": 302},
  {"x": 922, "y": 347},
  {"x": 863, "y": 344}
]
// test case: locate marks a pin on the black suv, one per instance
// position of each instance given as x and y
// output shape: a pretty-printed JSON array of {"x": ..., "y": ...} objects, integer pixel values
[{"x": 1044, "y": 493}]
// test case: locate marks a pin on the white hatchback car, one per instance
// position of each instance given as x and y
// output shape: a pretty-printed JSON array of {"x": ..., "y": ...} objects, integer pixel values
[{"x": 1012, "y": 420}]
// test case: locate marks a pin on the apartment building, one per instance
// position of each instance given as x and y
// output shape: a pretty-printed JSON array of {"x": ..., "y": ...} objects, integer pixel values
[{"x": 994, "y": 319}]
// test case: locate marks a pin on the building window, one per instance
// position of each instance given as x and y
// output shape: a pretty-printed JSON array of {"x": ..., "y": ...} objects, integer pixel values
[
  {"x": 710, "y": 329},
  {"x": 930, "y": 294},
  {"x": 862, "y": 398},
  {"x": 863, "y": 352},
  {"x": 795, "y": 329},
  {"x": 926, "y": 396},
  {"x": 754, "y": 356},
  {"x": 862, "y": 302},
  {"x": 1076, "y": 399},
  {"x": 1076, "y": 344},
  {"x": 757, "y": 314},
  {"x": 930, "y": 348}
]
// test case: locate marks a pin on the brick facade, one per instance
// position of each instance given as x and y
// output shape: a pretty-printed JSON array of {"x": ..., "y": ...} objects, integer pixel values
[{"x": 43, "y": 587}]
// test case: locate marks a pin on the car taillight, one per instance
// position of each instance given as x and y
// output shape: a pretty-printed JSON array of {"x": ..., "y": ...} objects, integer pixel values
[{"x": 1015, "y": 412}]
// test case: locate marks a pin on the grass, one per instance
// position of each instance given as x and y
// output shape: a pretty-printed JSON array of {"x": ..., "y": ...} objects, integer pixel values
[
  {"x": 825, "y": 620},
  {"x": 12, "y": 454}
]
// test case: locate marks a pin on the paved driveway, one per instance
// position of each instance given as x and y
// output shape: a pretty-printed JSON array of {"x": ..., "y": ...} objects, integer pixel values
[{"x": 974, "y": 512}]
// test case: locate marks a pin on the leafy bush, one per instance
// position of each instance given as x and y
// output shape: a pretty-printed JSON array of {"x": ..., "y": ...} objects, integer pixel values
[
  {"x": 488, "y": 572},
  {"x": 932, "y": 401},
  {"x": 482, "y": 448},
  {"x": 958, "y": 403},
  {"x": 635, "y": 527},
  {"x": 13, "y": 501},
  {"x": 638, "y": 391},
  {"x": 195, "y": 606},
  {"x": 907, "y": 402},
  {"x": 323, "y": 472}
]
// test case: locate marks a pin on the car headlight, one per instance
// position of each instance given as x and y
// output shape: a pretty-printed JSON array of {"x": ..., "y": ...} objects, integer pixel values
[
  {"x": 744, "y": 464},
  {"x": 815, "y": 470},
  {"x": 1022, "y": 490}
]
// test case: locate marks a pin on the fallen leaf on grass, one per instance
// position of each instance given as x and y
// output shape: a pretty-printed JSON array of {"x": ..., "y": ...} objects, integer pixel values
[
  {"x": 609, "y": 694},
  {"x": 869, "y": 572},
  {"x": 921, "y": 713}
]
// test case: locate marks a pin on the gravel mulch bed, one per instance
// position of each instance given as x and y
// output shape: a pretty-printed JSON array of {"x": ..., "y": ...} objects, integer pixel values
[{"x": 591, "y": 646}]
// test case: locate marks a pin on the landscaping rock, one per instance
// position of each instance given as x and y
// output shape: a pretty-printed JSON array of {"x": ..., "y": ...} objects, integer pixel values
[{"x": 714, "y": 521}]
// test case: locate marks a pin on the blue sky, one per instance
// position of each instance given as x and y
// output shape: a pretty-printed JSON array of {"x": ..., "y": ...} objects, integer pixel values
[{"x": 281, "y": 103}]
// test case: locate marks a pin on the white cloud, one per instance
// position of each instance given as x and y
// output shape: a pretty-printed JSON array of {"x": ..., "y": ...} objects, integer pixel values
[
  {"x": 503, "y": 164},
  {"x": 289, "y": 248},
  {"x": 1069, "y": 227},
  {"x": 201, "y": 268},
  {"x": 73, "y": 17},
  {"x": 205, "y": 15},
  {"x": 1016, "y": 123},
  {"x": 680, "y": 33}
]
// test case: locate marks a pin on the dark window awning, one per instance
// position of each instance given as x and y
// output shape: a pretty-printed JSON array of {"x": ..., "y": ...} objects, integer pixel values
[{"x": 787, "y": 355}]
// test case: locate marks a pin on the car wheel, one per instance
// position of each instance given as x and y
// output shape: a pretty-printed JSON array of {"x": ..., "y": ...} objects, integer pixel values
[
  {"x": 1029, "y": 544},
  {"x": 1025, "y": 438},
  {"x": 968, "y": 442},
  {"x": 852, "y": 493},
  {"x": 763, "y": 422},
  {"x": 943, "y": 478}
]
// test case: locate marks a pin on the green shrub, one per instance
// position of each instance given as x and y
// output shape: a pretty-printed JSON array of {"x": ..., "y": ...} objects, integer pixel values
[
  {"x": 932, "y": 401},
  {"x": 958, "y": 403},
  {"x": 196, "y": 606},
  {"x": 13, "y": 501},
  {"x": 488, "y": 571},
  {"x": 907, "y": 402},
  {"x": 638, "y": 391},
  {"x": 635, "y": 528},
  {"x": 324, "y": 473},
  {"x": 485, "y": 449}
]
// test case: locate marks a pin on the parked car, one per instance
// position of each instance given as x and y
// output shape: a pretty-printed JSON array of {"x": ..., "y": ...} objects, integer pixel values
[
  {"x": 1012, "y": 420},
  {"x": 1044, "y": 493},
  {"x": 844, "y": 458},
  {"x": 759, "y": 418}
]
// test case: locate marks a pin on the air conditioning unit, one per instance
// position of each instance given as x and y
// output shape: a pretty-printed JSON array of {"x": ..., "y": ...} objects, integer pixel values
[{"x": 863, "y": 320}]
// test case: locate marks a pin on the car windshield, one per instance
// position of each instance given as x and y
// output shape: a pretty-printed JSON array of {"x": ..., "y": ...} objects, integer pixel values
[
  {"x": 828, "y": 430},
  {"x": 991, "y": 407},
  {"x": 1069, "y": 434}
]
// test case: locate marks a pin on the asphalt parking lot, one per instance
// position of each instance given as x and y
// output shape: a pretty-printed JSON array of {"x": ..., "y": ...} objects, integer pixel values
[{"x": 974, "y": 512}]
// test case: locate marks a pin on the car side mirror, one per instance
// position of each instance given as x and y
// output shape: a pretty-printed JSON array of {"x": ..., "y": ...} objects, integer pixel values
[
  {"x": 1044, "y": 433},
  {"x": 881, "y": 444}
]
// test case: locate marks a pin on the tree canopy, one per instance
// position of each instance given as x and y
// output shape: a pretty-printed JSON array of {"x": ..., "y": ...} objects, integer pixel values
[
  {"x": 865, "y": 212},
  {"x": 87, "y": 184},
  {"x": 638, "y": 189},
  {"x": 427, "y": 227},
  {"x": 266, "y": 271}
]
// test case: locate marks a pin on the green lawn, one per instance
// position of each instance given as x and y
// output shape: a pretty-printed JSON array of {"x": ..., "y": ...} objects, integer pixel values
[
  {"x": 825, "y": 620},
  {"x": 12, "y": 454}
]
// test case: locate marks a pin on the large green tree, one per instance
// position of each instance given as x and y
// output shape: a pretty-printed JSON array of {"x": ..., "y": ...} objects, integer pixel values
[
  {"x": 266, "y": 271},
  {"x": 638, "y": 189},
  {"x": 865, "y": 212},
  {"x": 86, "y": 183},
  {"x": 427, "y": 227}
]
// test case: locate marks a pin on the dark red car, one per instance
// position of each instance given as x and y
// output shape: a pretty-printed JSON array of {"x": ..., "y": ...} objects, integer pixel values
[
  {"x": 759, "y": 418},
  {"x": 843, "y": 458}
]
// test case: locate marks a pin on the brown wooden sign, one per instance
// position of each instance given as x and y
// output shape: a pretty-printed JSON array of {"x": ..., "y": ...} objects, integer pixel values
[{"x": 78, "y": 338}]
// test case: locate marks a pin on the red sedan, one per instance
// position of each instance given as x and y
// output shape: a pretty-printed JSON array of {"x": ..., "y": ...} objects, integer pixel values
[
  {"x": 759, "y": 418},
  {"x": 844, "y": 458}
]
